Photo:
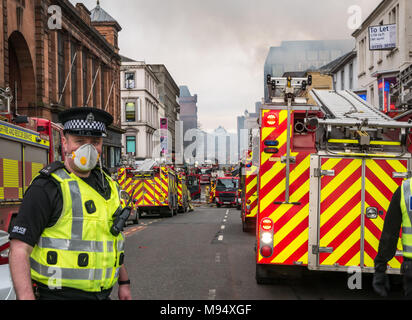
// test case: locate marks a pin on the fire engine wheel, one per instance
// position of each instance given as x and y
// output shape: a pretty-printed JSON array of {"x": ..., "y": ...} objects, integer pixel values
[
  {"x": 218, "y": 205},
  {"x": 169, "y": 213},
  {"x": 244, "y": 226}
]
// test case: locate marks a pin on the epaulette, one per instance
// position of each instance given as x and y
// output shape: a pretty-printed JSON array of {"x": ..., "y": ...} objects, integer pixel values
[{"x": 52, "y": 167}]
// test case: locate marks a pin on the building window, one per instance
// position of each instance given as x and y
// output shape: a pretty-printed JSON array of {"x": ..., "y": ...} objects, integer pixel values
[
  {"x": 342, "y": 79},
  {"x": 394, "y": 19},
  {"x": 74, "y": 74},
  {"x": 102, "y": 87},
  {"x": 351, "y": 76},
  {"x": 139, "y": 110},
  {"x": 60, "y": 62},
  {"x": 362, "y": 55},
  {"x": 372, "y": 95},
  {"x": 129, "y": 80},
  {"x": 84, "y": 76},
  {"x": 131, "y": 144},
  {"x": 94, "y": 72},
  {"x": 130, "y": 112}
]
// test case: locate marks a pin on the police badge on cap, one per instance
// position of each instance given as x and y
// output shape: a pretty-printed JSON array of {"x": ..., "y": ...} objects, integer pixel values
[{"x": 85, "y": 121}]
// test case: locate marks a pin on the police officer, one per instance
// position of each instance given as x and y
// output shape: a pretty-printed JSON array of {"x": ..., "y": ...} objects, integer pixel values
[
  {"x": 61, "y": 243},
  {"x": 399, "y": 214}
]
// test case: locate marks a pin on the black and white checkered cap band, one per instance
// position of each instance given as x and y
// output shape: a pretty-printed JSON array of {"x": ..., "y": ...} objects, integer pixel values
[{"x": 78, "y": 124}]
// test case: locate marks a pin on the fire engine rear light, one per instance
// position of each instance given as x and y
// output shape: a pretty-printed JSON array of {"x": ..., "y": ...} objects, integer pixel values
[
  {"x": 266, "y": 251},
  {"x": 267, "y": 238},
  {"x": 4, "y": 253},
  {"x": 270, "y": 143},
  {"x": 267, "y": 224},
  {"x": 271, "y": 150}
]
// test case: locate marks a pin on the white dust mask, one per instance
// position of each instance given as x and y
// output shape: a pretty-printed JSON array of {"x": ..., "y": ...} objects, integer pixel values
[{"x": 85, "y": 158}]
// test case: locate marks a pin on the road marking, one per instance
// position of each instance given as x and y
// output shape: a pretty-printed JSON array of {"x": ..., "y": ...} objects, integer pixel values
[
  {"x": 217, "y": 258},
  {"x": 227, "y": 211},
  {"x": 222, "y": 227},
  {"x": 212, "y": 294},
  {"x": 220, "y": 238},
  {"x": 134, "y": 230},
  {"x": 224, "y": 220}
]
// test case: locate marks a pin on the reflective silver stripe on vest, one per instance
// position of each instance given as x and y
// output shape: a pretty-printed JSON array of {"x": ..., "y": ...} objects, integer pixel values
[
  {"x": 109, "y": 246},
  {"x": 77, "y": 206},
  {"x": 77, "y": 211},
  {"x": 406, "y": 230},
  {"x": 120, "y": 245},
  {"x": 109, "y": 272},
  {"x": 66, "y": 273},
  {"x": 71, "y": 245},
  {"x": 62, "y": 174}
]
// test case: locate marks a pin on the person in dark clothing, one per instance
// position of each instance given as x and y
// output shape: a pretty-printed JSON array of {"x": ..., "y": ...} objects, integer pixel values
[{"x": 387, "y": 248}]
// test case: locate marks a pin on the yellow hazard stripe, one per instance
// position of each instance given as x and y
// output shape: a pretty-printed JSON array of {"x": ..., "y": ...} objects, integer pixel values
[
  {"x": 286, "y": 229},
  {"x": 374, "y": 142},
  {"x": 340, "y": 202},
  {"x": 341, "y": 177},
  {"x": 280, "y": 187},
  {"x": 343, "y": 248}
]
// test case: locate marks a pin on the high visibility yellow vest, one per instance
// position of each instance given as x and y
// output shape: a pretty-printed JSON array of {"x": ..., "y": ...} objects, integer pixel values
[
  {"x": 406, "y": 209},
  {"x": 79, "y": 251}
]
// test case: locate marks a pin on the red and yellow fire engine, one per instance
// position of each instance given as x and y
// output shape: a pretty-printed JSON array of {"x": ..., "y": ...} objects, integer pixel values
[
  {"x": 327, "y": 174},
  {"x": 249, "y": 194},
  {"x": 153, "y": 187},
  {"x": 182, "y": 192},
  {"x": 26, "y": 146}
]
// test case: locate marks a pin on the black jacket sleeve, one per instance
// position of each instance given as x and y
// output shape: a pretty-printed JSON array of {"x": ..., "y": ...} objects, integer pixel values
[
  {"x": 390, "y": 233},
  {"x": 41, "y": 208}
]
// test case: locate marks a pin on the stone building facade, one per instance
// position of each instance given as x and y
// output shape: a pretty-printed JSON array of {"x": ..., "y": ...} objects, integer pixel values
[{"x": 57, "y": 55}]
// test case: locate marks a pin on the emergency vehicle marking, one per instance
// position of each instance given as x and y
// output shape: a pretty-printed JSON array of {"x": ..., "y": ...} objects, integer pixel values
[
  {"x": 251, "y": 191},
  {"x": 379, "y": 188},
  {"x": 147, "y": 192},
  {"x": 339, "y": 227},
  {"x": 290, "y": 221}
]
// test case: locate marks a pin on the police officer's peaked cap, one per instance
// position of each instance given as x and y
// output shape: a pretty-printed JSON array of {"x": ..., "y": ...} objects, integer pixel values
[{"x": 85, "y": 121}]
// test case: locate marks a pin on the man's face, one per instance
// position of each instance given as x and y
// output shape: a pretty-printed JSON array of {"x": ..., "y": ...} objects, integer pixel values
[{"x": 71, "y": 143}]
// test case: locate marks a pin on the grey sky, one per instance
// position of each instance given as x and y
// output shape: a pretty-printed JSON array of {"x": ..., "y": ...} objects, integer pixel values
[{"x": 218, "y": 47}]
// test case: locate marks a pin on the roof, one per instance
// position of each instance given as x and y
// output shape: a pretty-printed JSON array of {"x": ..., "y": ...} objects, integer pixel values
[
  {"x": 295, "y": 74},
  {"x": 126, "y": 59},
  {"x": 99, "y": 15},
  {"x": 337, "y": 63}
]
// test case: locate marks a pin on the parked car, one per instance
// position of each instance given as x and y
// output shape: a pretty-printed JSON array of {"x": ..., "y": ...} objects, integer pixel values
[{"x": 6, "y": 285}]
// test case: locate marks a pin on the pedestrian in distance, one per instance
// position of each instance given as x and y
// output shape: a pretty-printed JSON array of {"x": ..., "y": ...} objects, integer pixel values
[{"x": 63, "y": 246}]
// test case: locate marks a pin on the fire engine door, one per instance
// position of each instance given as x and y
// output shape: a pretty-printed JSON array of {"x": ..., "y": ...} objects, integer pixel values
[
  {"x": 354, "y": 195},
  {"x": 340, "y": 212}
]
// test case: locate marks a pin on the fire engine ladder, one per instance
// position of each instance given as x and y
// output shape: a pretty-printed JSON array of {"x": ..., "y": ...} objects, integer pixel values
[
  {"x": 288, "y": 90},
  {"x": 345, "y": 110}
]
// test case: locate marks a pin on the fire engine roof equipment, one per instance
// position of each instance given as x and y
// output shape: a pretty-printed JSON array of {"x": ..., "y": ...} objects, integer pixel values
[{"x": 345, "y": 108}]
